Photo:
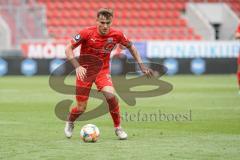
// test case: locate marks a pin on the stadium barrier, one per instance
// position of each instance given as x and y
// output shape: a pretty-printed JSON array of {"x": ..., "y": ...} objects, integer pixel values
[
  {"x": 180, "y": 57},
  {"x": 198, "y": 66},
  {"x": 149, "y": 49}
]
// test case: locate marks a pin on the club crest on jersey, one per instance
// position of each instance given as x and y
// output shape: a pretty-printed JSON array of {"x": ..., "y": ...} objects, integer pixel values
[
  {"x": 77, "y": 38},
  {"x": 109, "y": 47}
]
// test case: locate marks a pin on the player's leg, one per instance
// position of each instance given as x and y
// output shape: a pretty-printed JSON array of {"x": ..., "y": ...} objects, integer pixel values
[
  {"x": 108, "y": 92},
  {"x": 77, "y": 110},
  {"x": 82, "y": 94},
  {"x": 104, "y": 84},
  {"x": 72, "y": 116},
  {"x": 113, "y": 104}
]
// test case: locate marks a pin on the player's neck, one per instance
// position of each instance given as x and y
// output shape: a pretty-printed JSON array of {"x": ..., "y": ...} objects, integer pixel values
[{"x": 98, "y": 31}]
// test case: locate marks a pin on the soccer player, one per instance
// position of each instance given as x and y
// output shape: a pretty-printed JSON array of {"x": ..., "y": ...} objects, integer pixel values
[
  {"x": 237, "y": 36},
  {"x": 98, "y": 41}
]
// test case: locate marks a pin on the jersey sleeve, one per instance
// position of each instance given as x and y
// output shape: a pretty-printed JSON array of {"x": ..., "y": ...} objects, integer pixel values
[
  {"x": 80, "y": 37},
  {"x": 123, "y": 40}
]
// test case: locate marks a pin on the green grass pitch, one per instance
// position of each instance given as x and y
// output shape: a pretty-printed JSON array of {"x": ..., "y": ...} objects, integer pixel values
[{"x": 29, "y": 128}]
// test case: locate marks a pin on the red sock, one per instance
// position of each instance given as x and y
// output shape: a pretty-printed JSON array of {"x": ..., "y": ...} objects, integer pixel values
[
  {"x": 114, "y": 111},
  {"x": 74, "y": 114},
  {"x": 238, "y": 78}
]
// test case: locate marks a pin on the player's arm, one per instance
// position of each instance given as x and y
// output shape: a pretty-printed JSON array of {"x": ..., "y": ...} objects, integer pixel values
[
  {"x": 123, "y": 40},
  {"x": 134, "y": 52},
  {"x": 80, "y": 71},
  {"x": 70, "y": 55}
]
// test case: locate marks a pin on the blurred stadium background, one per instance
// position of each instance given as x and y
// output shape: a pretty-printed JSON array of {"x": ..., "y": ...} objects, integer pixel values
[{"x": 188, "y": 36}]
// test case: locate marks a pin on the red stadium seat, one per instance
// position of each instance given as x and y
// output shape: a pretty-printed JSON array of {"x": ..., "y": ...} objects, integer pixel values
[
  {"x": 161, "y": 19},
  {"x": 68, "y": 5},
  {"x": 83, "y": 5}
]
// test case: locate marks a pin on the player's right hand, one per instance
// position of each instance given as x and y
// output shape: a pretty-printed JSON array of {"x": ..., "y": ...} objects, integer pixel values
[{"x": 81, "y": 73}]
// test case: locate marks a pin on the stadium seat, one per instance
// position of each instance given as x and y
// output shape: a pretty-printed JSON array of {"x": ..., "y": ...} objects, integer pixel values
[{"x": 154, "y": 19}]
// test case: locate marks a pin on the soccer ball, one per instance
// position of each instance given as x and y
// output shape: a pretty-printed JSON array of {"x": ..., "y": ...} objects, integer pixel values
[{"x": 89, "y": 133}]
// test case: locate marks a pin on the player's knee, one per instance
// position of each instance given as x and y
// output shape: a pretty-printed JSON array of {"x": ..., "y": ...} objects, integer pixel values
[
  {"x": 108, "y": 92},
  {"x": 109, "y": 95},
  {"x": 81, "y": 106}
]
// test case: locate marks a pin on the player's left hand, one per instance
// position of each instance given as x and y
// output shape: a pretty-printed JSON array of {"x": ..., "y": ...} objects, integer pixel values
[{"x": 145, "y": 70}]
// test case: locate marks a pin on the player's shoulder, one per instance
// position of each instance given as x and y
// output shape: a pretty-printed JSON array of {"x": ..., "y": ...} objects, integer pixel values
[
  {"x": 116, "y": 32},
  {"x": 85, "y": 33},
  {"x": 89, "y": 29}
]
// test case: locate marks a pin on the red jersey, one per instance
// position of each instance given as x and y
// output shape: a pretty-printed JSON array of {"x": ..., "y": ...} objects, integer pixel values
[{"x": 94, "y": 44}]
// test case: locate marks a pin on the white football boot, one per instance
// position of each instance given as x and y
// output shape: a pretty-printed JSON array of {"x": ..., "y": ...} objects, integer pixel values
[
  {"x": 69, "y": 129},
  {"x": 122, "y": 135}
]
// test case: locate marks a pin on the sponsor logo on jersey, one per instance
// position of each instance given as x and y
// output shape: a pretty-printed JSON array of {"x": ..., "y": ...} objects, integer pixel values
[{"x": 93, "y": 40}]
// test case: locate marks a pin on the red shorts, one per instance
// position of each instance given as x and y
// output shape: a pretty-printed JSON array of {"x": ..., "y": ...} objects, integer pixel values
[{"x": 83, "y": 87}]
